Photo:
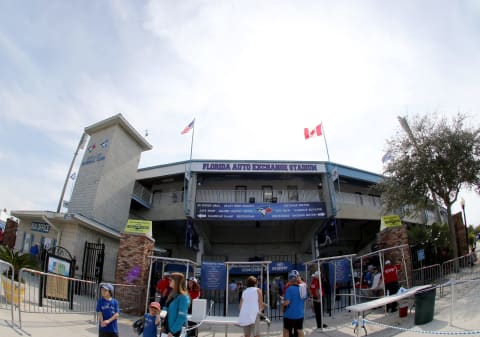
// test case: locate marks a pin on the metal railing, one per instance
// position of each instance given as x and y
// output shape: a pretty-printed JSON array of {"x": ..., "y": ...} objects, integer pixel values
[
  {"x": 7, "y": 289},
  {"x": 57, "y": 294},
  {"x": 461, "y": 268},
  {"x": 142, "y": 193},
  {"x": 359, "y": 200},
  {"x": 51, "y": 293},
  {"x": 258, "y": 196},
  {"x": 427, "y": 275}
]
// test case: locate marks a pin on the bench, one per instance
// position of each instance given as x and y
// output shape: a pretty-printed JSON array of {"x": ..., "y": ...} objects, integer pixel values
[
  {"x": 361, "y": 308},
  {"x": 201, "y": 317}
]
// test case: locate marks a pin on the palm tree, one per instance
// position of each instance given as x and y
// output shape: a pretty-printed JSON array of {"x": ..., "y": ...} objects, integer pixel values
[{"x": 17, "y": 260}]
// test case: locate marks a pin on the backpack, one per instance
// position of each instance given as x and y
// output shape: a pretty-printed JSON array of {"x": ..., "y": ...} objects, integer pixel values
[
  {"x": 138, "y": 326},
  {"x": 302, "y": 288}
]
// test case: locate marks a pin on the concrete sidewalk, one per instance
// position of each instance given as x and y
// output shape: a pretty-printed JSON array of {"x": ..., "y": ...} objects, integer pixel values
[{"x": 465, "y": 316}]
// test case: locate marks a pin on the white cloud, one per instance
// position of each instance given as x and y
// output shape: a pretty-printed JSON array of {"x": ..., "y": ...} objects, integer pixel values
[{"x": 254, "y": 74}]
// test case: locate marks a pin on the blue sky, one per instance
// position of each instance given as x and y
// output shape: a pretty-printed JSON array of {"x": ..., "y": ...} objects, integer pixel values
[{"x": 252, "y": 73}]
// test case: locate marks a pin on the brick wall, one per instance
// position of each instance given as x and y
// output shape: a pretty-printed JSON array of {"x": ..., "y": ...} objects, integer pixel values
[
  {"x": 133, "y": 266},
  {"x": 392, "y": 237}
]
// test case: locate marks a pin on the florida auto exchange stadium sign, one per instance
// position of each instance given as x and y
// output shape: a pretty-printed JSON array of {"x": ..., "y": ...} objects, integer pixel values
[{"x": 257, "y": 167}]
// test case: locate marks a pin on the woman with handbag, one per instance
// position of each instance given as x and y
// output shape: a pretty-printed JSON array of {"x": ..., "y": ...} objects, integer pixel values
[{"x": 176, "y": 306}]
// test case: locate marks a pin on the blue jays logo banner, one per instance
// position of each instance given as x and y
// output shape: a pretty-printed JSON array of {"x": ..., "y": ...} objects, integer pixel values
[{"x": 260, "y": 211}]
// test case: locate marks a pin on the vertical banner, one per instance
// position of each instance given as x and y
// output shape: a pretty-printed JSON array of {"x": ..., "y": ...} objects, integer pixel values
[
  {"x": 191, "y": 236},
  {"x": 328, "y": 235},
  {"x": 214, "y": 276}
]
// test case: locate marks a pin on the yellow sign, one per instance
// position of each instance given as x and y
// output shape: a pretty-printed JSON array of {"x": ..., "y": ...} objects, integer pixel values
[
  {"x": 139, "y": 227},
  {"x": 389, "y": 221}
]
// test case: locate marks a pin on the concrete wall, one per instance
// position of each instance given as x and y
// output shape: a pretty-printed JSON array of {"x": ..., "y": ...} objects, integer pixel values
[{"x": 106, "y": 177}]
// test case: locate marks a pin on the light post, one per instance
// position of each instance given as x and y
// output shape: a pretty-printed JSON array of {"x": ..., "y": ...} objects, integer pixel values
[{"x": 462, "y": 204}]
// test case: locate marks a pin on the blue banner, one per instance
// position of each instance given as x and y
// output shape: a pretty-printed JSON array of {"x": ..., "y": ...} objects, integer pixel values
[
  {"x": 280, "y": 267},
  {"x": 343, "y": 269},
  {"x": 260, "y": 211},
  {"x": 254, "y": 270},
  {"x": 214, "y": 276},
  {"x": 181, "y": 268}
]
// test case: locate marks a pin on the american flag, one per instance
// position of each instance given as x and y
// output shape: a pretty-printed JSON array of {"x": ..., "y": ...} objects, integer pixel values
[{"x": 188, "y": 127}]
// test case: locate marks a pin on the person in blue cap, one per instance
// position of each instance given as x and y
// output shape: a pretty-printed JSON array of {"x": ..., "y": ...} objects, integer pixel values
[
  {"x": 294, "y": 311},
  {"x": 108, "y": 311}
]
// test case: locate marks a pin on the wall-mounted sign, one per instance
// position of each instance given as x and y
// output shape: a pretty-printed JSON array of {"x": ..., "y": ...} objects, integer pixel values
[
  {"x": 389, "y": 221},
  {"x": 58, "y": 266},
  {"x": 420, "y": 255},
  {"x": 260, "y": 211},
  {"x": 259, "y": 167},
  {"x": 280, "y": 267},
  {"x": 139, "y": 227},
  {"x": 213, "y": 275},
  {"x": 40, "y": 227}
]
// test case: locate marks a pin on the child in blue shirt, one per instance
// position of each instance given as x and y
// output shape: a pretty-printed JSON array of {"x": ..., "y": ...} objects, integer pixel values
[
  {"x": 108, "y": 312},
  {"x": 152, "y": 320}
]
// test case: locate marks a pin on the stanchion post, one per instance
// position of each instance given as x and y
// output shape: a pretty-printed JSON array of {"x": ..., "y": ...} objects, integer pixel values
[{"x": 452, "y": 300}]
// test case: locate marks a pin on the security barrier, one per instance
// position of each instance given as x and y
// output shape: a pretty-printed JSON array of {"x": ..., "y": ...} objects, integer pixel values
[
  {"x": 7, "y": 288},
  {"x": 51, "y": 293}
]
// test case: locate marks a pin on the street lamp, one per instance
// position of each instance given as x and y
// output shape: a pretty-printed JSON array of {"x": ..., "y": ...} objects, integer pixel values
[{"x": 462, "y": 203}]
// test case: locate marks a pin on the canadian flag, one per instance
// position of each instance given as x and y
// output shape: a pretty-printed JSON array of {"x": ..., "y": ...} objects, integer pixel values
[{"x": 316, "y": 131}]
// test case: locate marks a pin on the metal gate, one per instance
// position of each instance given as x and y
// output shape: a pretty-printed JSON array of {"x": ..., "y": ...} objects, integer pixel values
[{"x": 93, "y": 259}]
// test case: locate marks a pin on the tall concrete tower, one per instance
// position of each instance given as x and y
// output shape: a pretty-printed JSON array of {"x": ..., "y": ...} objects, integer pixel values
[{"x": 106, "y": 176}]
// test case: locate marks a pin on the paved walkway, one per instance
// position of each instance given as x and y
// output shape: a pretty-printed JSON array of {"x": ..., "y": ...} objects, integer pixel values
[
  {"x": 466, "y": 318},
  {"x": 463, "y": 319}
]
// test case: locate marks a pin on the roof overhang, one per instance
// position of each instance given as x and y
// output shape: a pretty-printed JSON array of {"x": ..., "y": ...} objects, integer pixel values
[{"x": 62, "y": 219}]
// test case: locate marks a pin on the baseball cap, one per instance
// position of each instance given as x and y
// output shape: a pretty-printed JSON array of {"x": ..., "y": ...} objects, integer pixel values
[
  {"x": 292, "y": 276},
  {"x": 316, "y": 274},
  {"x": 387, "y": 262},
  {"x": 155, "y": 305},
  {"x": 107, "y": 286},
  {"x": 370, "y": 267},
  {"x": 295, "y": 272}
]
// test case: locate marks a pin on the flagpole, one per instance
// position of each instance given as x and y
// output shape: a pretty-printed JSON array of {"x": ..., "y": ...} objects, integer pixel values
[
  {"x": 80, "y": 146},
  {"x": 333, "y": 198},
  {"x": 191, "y": 146},
  {"x": 188, "y": 175},
  {"x": 325, "y": 139}
]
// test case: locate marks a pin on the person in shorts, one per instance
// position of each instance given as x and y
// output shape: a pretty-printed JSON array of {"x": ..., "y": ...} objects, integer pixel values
[
  {"x": 294, "y": 308},
  {"x": 251, "y": 305}
]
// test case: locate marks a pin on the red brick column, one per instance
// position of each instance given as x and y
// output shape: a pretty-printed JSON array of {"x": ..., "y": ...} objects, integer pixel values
[
  {"x": 392, "y": 237},
  {"x": 133, "y": 266},
  {"x": 10, "y": 234}
]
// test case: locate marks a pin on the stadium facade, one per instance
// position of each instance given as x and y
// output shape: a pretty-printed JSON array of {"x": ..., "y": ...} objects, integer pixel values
[{"x": 287, "y": 212}]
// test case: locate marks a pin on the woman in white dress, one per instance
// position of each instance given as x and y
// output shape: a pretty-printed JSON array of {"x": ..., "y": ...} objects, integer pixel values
[{"x": 251, "y": 305}]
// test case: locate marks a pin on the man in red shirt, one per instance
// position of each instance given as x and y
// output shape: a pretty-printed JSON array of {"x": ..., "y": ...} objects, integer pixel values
[
  {"x": 315, "y": 291},
  {"x": 390, "y": 277},
  {"x": 163, "y": 288}
]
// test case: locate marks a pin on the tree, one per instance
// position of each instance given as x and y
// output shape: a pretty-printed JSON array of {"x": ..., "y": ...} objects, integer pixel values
[
  {"x": 434, "y": 239},
  {"x": 431, "y": 161}
]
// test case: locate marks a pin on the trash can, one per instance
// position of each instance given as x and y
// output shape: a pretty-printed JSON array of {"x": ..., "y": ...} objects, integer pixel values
[
  {"x": 403, "y": 310},
  {"x": 424, "y": 306}
]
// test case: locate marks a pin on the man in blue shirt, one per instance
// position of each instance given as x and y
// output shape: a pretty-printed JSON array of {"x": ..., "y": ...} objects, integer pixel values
[{"x": 294, "y": 311}]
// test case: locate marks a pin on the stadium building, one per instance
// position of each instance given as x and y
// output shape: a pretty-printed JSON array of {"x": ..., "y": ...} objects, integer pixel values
[{"x": 287, "y": 212}]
